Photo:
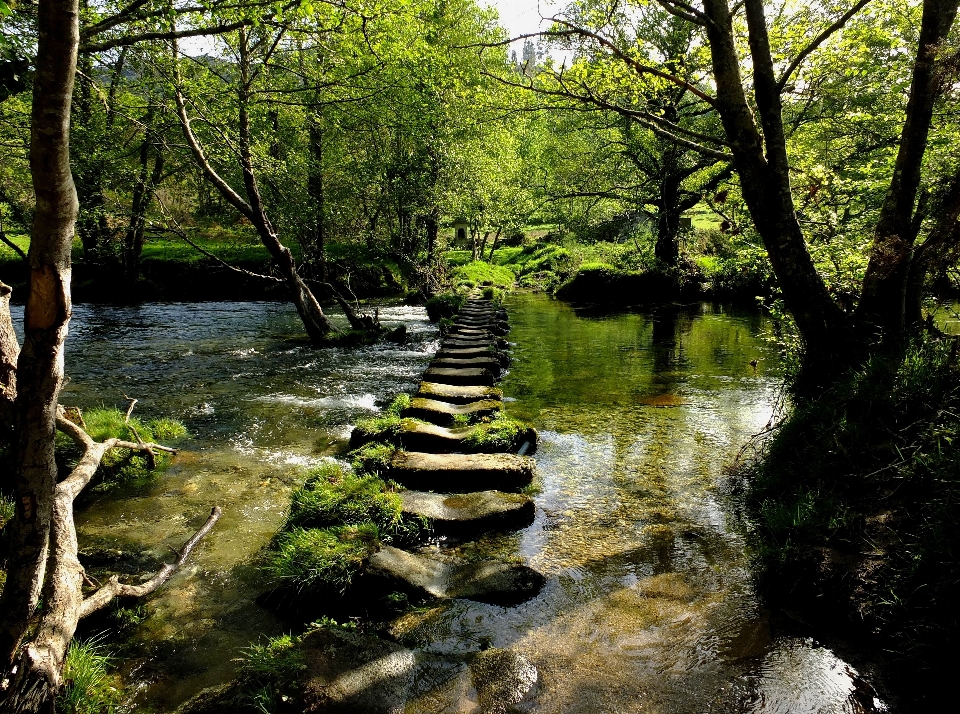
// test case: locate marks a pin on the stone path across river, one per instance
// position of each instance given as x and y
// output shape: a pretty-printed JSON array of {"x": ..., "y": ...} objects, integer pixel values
[{"x": 464, "y": 489}]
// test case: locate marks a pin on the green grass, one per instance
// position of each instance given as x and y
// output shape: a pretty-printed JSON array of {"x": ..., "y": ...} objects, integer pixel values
[
  {"x": 123, "y": 465},
  {"x": 373, "y": 458},
  {"x": 321, "y": 557},
  {"x": 89, "y": 688},
  {"x": 478, "y": 272},
  {"x": 333, "y": 496},
  {"x": 499, "y": 432}
]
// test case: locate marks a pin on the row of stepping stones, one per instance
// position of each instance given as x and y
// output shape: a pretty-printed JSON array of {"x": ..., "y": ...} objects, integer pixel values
[{"x": 463, "y": 493}]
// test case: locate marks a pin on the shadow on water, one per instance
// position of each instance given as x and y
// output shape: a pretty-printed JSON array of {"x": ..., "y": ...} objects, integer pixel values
[{"x": 649, "y": 604}]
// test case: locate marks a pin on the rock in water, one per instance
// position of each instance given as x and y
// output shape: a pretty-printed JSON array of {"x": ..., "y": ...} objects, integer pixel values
[
  {"x": 502, "y": 679},
  {"x": 493, "y": 582}
]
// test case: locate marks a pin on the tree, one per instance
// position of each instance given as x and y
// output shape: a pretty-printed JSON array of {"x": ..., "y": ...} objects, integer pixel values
[{"x": 752, "y": 115}]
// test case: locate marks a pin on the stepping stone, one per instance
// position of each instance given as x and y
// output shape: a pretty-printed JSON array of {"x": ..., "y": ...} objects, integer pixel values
[
  {"x": 469, "y": 514},
  {"x": 460, "y": 473},
  {"x": 492, "y": 582},
  {"x": 502, "y": 358},
  {"x": 456, "y": 375},
  {"x": 457, "y": 395},
  {"x": 417, "y": 436},
  {"x": 460, "y": 341},
  {"x": 470, "y": 332},
  {"x": 470, "y": 362},
  {"x": 443, "y": 413}
]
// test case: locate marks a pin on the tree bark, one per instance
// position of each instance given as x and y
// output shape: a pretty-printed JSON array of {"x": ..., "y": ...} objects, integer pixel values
[
  {"x": 9, "y": 351},
  {"x": 40, "y": 364},
  {"x": 143, "y": 192},
  {"x": 38, "y": 678},
  {"x": 761, "y": 162},
  {"x": 882, "y": 305}
]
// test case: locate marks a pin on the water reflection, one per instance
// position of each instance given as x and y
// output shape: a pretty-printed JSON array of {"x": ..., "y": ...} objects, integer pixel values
[{"x": 649, "y": 604}]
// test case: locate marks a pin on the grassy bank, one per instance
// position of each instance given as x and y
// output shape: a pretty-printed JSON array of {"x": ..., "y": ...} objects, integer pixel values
[
  {"x": 171, "y": 269},
  {"x": 855, "y": 500}
]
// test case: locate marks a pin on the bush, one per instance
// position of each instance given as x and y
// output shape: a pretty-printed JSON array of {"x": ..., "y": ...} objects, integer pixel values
[
  {"x": 444, "y": 306},
  {"x": 855, "y": 497}
]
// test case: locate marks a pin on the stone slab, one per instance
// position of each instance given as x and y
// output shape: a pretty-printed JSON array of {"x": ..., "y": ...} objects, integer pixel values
[
  {"x": 470, "y": 514},
  {"x": 467, "y": 362},
  {"x": 417, "y": 436},
  {"x": 443, "y": 413},
  {"x": 493, "y": 582},
  {"x": 460, "y": 473},
  {"x": 454, "y": 394},
  {"x": 459, "y": 376}
]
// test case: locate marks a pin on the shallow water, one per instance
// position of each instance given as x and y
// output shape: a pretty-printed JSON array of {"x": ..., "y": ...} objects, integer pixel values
[{"x": 649, "y": 604}]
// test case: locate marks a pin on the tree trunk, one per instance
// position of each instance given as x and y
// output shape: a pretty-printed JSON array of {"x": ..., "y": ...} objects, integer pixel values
[
  {"x": 143, "y": 193},
  {"x": 317, "y": 325},
  {"x": 9, "y": 351},
  {"x": 761, "y": 161},
  {"x": 40, "y": 365},
  {"x": 316, "y": 190},
  {"x": 883, "y": 302}
]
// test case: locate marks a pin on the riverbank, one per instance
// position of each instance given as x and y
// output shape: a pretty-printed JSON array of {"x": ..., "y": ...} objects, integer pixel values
[{"x": 855, "y": 499}]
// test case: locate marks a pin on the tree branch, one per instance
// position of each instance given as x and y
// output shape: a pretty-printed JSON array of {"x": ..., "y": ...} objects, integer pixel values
[
  {"x": 817, "y": 41},
  {"x": 114, "y": 588}
]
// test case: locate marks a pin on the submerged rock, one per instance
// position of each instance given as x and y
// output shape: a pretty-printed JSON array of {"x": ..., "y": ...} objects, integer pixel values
[
  {"x": 502, "y": 679},
  {"x": 468, "y": 514},
  {"x": 493, "y": 582}
]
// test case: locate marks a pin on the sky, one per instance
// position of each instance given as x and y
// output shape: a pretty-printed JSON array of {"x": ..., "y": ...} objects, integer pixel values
[{"x": 523, "y": 16}]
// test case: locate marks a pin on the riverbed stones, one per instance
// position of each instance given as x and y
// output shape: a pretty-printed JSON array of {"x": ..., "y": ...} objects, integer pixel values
[
  {"x": 460, "y": 376},
  {"x": 469, "y": 514},
  {"x": 460, "y": 473},
  {"x": 493, "y": 582},
  {"x": 457, "y": 394}
]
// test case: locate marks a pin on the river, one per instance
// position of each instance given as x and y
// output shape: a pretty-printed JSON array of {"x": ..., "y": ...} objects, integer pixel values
[{"x": 649, "y": 604}]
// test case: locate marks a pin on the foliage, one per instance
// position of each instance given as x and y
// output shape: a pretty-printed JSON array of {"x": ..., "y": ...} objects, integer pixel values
[
  {"x": 445, "y": 305},
  {"x": 89, "y": 687},
  {"x": 269, "y": 671},
  {"x": 321, "y": 557}
]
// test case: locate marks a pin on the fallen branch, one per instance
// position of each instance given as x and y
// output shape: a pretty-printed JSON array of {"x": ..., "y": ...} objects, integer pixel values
[{"x": 114, "y": 588}]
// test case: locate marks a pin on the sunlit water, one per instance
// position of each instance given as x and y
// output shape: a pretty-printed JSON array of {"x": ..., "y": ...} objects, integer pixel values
[{"x": 649, "y": 604}]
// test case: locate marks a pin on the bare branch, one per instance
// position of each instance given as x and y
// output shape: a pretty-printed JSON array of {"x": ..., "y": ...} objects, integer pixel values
[
  {"x": 13, "y": 246},
  {"x": 817, "y": 41},
  {"x": 684, "y": 11},
  {"x": 114, "y": 588}
]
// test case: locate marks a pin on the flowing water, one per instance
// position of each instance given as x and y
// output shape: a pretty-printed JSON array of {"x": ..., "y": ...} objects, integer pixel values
[{"x": 649, "y": 604}]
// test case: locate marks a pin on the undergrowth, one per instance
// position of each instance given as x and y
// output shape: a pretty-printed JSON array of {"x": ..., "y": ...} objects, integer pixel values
[
  {"x": 90, "y": 687},
  {"x": 855, "y": 497},
  {"x": 122, "y": 466}
]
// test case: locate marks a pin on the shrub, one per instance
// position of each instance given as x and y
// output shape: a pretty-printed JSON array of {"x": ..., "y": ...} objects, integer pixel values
[{"x": 444, "y": 306}]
